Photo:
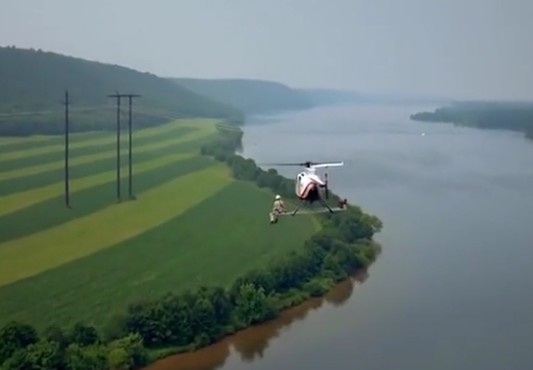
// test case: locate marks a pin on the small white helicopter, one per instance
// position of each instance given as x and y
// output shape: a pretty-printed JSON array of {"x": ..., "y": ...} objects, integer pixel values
[{"x": 308, "y": 185}]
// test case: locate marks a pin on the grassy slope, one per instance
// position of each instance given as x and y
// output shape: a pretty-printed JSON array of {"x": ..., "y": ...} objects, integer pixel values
[
  {"x": 56, "y": 245},
  {"x": 87, "y": 263},
  {"x": 8, "y": 144},
  {"x": 36, "y": 176},
  {"x": 107, "y": 149},
  {"x": 16, "y": 225},
  {"x": 33, "y": 176},
  {"x": 36, "y": 80},
  {"x": 184, "y": 252},
  {"x": 27, "y": 198},
  {"x": 105, "y": 141}
]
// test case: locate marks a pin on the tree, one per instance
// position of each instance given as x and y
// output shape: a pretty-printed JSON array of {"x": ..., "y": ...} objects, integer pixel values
[
  {"x": 261, "y": 278},
  {"x": 150, "y": 323},
  {"x": 85, "y": 358},
  {"x": 116, "y": 327},
  {"x": 43, "y": 355},
  {"x": 221, "y": 303},
  {"x": 83, "y": 335},
  {"x": 127, "y": 353},
  {"x": 253, "y": 306},
  {"x": 204, "y": 319},
  {"x": 333, "y": 267},
  {"x": 119, "y": 359},
  {"x": 55, "y": 334},
  {"x": 14, "y": 336}
]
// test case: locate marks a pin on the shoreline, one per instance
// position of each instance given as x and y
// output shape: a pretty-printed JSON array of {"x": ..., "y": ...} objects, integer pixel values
[
  {"x": 339, "y": 252},
  {"x": 294, "y": 300},
  {"x": 255, "y": 338}
]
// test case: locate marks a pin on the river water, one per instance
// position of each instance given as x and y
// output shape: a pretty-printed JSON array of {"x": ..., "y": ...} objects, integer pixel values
[{"x": 453, "y": 286}]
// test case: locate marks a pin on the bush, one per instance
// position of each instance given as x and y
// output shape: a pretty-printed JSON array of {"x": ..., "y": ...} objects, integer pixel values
[{"x": 318, "y": 286}]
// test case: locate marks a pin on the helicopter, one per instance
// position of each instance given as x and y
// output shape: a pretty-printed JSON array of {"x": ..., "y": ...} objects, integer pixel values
[{"x": 308, "y": 184}]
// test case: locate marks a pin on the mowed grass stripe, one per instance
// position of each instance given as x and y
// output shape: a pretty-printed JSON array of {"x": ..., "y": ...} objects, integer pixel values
[
  {"x": 40, "y": 179},
  {"x": 108, "y": 139},
  {"x": 231, "y": 226},
  {"x": 15, "y": 140},
  {"x": 14, "y": 202},
  {"x": 52, "y": 212},
  {"x": 30, "y": 142},
  {"x": 30, "y": 255},
  {"x": 44, "y": 158},
  {"x": 153, "y": 144}
]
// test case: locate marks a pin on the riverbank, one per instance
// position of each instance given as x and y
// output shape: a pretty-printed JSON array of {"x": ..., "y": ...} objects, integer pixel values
[
  {"x": 253, "y": 341},
  {"x": 450, "y": 200},
  {"x": 311, "y": 261},
  {"x": 342, "y": 247}
]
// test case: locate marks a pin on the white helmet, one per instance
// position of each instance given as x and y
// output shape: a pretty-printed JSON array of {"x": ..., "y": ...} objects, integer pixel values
[{"x": 278, "y": 197}]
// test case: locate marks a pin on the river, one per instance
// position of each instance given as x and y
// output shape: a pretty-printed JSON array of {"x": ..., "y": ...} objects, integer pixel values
[{"x": 453, "y": 286}]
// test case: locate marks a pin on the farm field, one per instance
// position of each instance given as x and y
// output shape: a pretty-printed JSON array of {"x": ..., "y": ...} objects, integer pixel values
[{"x": 191, "y": 224}]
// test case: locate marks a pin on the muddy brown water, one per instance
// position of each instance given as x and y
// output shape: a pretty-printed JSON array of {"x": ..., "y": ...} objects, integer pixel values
[{"x": 251, "y": 343}]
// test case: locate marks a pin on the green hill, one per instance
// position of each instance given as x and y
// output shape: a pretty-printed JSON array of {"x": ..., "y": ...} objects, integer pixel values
[
  {"x": 251, "y": 96},
  {"x": 34, "y": 81}
]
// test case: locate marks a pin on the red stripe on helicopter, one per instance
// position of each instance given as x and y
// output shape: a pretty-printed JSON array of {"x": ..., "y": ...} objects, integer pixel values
[{"x": 307, "y": 189}]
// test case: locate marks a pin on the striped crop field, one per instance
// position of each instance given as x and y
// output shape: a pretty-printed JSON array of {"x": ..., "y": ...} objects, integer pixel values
[{"x": 191, "y": 223}]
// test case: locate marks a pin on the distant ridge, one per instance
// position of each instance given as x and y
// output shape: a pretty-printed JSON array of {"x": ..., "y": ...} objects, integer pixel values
[
  {"x": 35, "y": 80},
  {"x": 249, "y": 95},
  {"x": 503, "y": 115}
]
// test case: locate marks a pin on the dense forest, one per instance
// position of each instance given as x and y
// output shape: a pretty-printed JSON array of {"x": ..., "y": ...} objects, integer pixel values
[
  {"x": 189, "y": 320},
  {"x": 488, "y": 115},
  {"x": 33, "y": 83},
  {"x": 251, "y": 96}
]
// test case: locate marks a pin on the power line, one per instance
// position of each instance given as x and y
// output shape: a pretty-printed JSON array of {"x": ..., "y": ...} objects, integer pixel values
[
  {"x": 130, "y": 97},
  {"x": 67, "y": 191},
  {"x": 118, "y": 96}
]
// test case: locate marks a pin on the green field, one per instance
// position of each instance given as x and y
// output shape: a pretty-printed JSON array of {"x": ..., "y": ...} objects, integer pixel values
[{"x": 191, "y": 224}]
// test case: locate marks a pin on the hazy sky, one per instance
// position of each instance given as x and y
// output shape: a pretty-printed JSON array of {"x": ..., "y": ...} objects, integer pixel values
[{"x": 453, "y": 48}]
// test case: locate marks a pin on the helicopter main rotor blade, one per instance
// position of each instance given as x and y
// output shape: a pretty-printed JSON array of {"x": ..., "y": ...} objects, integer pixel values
[
  {"x": 308, "y": 164},
  {"x": 327, "y": 164},
  {"x": 304, "y": 164},
  {"x": 282, "y": 164}
]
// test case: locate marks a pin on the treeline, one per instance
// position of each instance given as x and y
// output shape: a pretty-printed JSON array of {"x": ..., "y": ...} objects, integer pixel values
[
  {"x": 487, "y": 115},
  {"x": 35, "y": 81},
  {"x": 21, "y": 347},
  {"x": 53, "y": 123},
  {"x": 194, "y": 318}
]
